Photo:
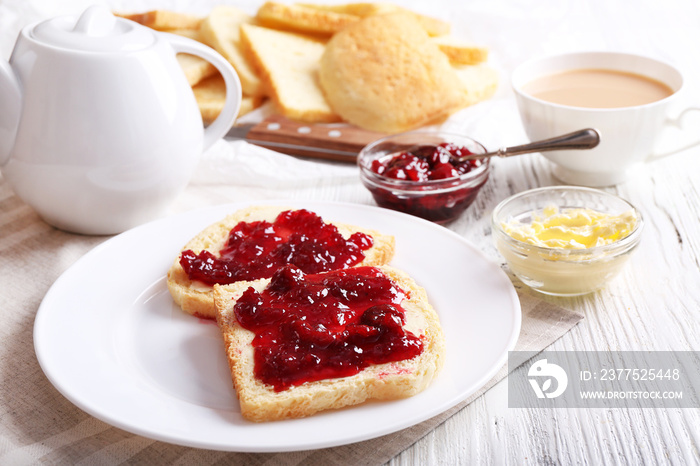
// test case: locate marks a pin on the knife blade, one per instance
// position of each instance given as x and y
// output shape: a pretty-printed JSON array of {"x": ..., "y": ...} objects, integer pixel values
[{"x": 339, "y": 142}]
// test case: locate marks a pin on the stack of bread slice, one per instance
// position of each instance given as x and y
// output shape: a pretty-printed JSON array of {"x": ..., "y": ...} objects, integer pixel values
[
  {"x": 291, "y": 55},
  {"x": 260, "y": 401}
]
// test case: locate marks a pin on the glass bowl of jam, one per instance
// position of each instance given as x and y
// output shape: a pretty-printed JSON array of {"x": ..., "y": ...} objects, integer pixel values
[
  {"x": 418, "y": 173},
  {"x": 566, "y": 240}
]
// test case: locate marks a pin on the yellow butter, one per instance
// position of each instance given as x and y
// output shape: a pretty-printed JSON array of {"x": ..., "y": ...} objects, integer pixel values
[{"x": 578, "y": 228}]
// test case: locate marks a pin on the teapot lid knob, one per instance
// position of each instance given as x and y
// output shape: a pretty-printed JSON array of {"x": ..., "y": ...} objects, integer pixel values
[
  {"x": 96, "y": 21},
  {"x": 96, "y": 30}
]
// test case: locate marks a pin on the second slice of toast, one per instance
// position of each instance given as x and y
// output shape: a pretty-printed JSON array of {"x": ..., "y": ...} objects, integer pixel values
[{"x": 196, "y": 297}]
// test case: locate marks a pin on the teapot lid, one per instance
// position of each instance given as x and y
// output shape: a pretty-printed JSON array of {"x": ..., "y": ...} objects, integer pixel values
[{"x": 96, "y": 30}]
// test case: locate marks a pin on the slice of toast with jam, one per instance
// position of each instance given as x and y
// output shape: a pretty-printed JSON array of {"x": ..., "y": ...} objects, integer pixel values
[
  {"x": 302, "y": 343},
  {"x": 253, "y": 242}
]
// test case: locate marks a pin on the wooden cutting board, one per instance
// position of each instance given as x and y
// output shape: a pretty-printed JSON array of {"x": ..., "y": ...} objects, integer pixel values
[{"x": 336, "y": 141}]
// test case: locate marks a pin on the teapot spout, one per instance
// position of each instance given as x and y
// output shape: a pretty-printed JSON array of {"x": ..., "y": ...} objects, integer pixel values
[{"x": 10, "y": 108}]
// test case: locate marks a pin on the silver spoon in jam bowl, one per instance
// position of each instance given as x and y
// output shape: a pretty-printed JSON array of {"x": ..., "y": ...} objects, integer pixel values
[{"x": 582, "y": 139}]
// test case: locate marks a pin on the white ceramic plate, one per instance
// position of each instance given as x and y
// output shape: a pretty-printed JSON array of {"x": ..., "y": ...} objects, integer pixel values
[{"x": 110, "y": 339}]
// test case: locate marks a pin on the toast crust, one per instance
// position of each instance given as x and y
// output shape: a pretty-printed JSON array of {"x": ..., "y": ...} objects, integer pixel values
[
  {"x": 164, "y": 20},
  {"x": 303, "y": 18},
  {"x": 461, "y": 53},
  {"x": 390, "y": 381},
  {"x": 197, "y": 298}
]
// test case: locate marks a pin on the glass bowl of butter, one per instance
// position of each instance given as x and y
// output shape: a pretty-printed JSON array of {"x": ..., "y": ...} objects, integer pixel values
[{"x": 566, "y": 240}]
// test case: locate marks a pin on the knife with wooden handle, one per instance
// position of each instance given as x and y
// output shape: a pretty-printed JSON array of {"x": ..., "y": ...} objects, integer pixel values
[{"x": 338, "y": 142}]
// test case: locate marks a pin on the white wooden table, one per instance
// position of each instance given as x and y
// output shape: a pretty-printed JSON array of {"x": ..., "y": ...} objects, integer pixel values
[{"x": 654, "y": 305}]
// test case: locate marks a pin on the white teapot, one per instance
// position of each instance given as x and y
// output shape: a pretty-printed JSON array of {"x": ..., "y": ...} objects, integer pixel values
[{"x": 99, "y": 129}]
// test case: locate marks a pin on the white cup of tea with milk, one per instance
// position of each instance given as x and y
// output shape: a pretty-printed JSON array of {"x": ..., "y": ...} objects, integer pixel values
[{"x": 625, "y": 97}]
